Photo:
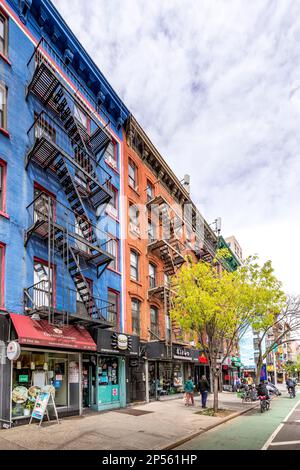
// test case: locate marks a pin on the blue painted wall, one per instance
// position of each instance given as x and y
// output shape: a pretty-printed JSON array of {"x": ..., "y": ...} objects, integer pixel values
[{"x": 19, "y": 260}]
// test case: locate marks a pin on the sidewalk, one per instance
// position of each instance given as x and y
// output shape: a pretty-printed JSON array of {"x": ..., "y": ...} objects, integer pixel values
[{"x": 156, "y": 425}]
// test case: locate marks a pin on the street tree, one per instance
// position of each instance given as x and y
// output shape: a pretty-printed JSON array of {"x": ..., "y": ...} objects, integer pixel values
[
  {"x": 215, "y": 305},
  {"x": 276, "y": 329}
]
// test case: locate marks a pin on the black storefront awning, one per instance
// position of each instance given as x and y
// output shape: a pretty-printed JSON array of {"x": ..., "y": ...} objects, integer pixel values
[
  {"x": 111, "y": 342},
  {"x": 157, "y": 350}
]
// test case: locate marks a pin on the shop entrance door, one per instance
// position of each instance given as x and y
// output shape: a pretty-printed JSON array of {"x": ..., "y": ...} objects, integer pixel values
[
  {"x": 88, "y": 383},
  {"x": 108, "y": 382}
]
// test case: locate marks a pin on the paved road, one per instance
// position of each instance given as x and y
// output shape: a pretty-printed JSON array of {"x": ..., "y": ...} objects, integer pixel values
[
  {"x": 287, "y": 434},
  {"x": 254, "y": 430}
]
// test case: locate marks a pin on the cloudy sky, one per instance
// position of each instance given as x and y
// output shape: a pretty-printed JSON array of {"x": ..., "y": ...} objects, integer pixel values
[{"x": 216, "y": 86}]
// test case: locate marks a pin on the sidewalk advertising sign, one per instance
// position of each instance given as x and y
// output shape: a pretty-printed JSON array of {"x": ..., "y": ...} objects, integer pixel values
[{"x": 41, "y": 407}]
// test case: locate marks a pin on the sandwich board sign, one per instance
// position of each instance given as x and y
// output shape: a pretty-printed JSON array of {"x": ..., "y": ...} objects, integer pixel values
[{"x": 43, "y": 400}]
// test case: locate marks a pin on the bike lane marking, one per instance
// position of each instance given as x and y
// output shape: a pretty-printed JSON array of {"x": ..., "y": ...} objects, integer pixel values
[
  {"x": 274, "y": 434},
  {"x": 284, "y": 443}
]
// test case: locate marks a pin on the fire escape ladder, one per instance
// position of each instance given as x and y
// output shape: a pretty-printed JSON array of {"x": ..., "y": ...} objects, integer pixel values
[
  {"x": 82, "y": 146},
  {"x": 49, "y": 89}
]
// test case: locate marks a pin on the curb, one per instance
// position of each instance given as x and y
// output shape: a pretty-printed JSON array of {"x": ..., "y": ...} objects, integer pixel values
[{"x": 198, "y": 433}]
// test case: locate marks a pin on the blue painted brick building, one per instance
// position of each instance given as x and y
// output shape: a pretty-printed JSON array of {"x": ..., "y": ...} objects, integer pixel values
[{"x": 60, "y": 236}]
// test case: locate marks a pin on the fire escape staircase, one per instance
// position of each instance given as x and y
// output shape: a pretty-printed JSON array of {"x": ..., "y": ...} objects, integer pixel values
[{"x": 50, "y": 91}]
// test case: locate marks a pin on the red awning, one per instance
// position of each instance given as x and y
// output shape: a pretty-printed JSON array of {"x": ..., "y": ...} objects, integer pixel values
[{"x": 40, "y": 333}]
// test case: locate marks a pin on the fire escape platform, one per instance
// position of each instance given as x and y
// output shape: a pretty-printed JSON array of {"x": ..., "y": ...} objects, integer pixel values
[
  {"x": 44, "y": 84},
  {"x": 45, "y": 152},
  {"x": 93, "y": 254},
  {"x": 162, "y": 246},
  {"x": 157, "y": 200},
  {"x": 73, "y": 318},
  {"x": 159, "y": 291}
]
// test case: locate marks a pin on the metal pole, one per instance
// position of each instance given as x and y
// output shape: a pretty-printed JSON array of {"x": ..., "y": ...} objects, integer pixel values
[
  {"x": 147, "y": 380},
  {"x": 275, "y": 370}
]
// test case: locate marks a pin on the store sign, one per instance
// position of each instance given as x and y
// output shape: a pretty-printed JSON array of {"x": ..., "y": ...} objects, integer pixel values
[
  {"x": 23, "y": 378},
  {"x": 13, "y": 350},
  {"x": 182, "y": 353},
  {"x": 41, "y": 333},
  {"x": 203, "y": 359},
  {"x": 121, "y": 342}
]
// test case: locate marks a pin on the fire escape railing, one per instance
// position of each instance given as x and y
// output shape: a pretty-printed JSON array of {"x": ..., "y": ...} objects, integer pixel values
[
  {"x": 44, "y": 209},
  {"x": 44, "y": 52},
  {"x": 48, "y": 140}
]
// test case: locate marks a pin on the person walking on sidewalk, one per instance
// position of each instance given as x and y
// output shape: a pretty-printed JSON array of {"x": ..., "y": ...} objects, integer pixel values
[
  {"x": 189, "y": 390},
  {"x": 204, "y": 389}
]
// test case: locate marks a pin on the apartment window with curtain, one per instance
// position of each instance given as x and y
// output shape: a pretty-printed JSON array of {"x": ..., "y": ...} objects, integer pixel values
[
  {"x": 150, "y": 191},
  {"x": 3, "y": 34},
  {"x": 3, "y": 106},
  {"x": 154, "y": 321},
  {"x": 132, "y": 174},
  {"x": 112, "y": 248},
  {"x": 2, "y": 273},
  {"x": 112, "y": 206},
  {"x": 113, "y": 309},
  {"x": 134, "y": 215},
  {"x": 111, "y": 155},
  {"x": 44, "y": 204},
  {"x": 152, "y": 275},
  {"x": 134, "y": 265},
  {"x": 135, "y": 316}
]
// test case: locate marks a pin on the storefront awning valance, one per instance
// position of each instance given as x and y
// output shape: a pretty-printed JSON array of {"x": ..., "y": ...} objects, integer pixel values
[{"x": 41, "y": 333}]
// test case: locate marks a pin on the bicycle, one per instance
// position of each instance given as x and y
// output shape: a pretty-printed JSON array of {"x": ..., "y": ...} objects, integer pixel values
[{"x": 264, "y": 403}]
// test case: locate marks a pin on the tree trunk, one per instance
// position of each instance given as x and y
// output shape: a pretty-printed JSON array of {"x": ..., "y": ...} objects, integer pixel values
[
  {"x": 216, "y": 390},
  {"x": 258, "y": 371}
]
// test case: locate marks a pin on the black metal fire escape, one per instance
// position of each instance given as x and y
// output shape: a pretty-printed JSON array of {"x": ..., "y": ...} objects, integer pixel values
[{"x": 47, "y": 86}]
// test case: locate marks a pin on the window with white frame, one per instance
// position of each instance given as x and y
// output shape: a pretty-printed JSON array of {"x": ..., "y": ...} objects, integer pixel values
[
  {"x": 134, "y": 265},
  {"x": 152, "y": 275},
  {"x": 135, "y": 316},
  {"x": 3, "y": 34},
  {"x": 132, "y": 174},
  {"x": 112, "y": 206},
  {"x": 111, "y": 154},
  {"x": 112, "y": 248},
  {"x": 81, "y": 117},
  {"x": 151, "y": 231},
  {"x": 3, "y": 106},
  {"x": 154, "y": 327},
  {"x": 150, "y": 191},
  {"x": 113, "y": 309},
  {"x": 3, "y": 166}
]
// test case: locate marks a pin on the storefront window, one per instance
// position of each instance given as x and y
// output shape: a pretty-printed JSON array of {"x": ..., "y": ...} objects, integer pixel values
[
  {"x": 168, "y": 380},
  {"x": 108, "y": 380},
  {"x": 34, "y": 370}
]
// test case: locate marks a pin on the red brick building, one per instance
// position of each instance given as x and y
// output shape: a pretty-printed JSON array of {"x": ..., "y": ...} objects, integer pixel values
[{"x": 163, "y": 226}]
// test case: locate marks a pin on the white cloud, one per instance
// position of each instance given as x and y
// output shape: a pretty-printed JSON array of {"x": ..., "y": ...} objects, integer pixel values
[{"x": 216, "y": 85}]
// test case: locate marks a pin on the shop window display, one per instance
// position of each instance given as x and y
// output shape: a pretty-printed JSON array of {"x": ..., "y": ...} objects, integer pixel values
[
  {"x": 169, "y": 380},
  {"x": 108, "y": 380},
  {"x": 36, "y": 371}
]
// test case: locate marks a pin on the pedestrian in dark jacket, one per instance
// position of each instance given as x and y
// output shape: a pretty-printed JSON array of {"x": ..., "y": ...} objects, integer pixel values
[{"x": 204, "y": 389}]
